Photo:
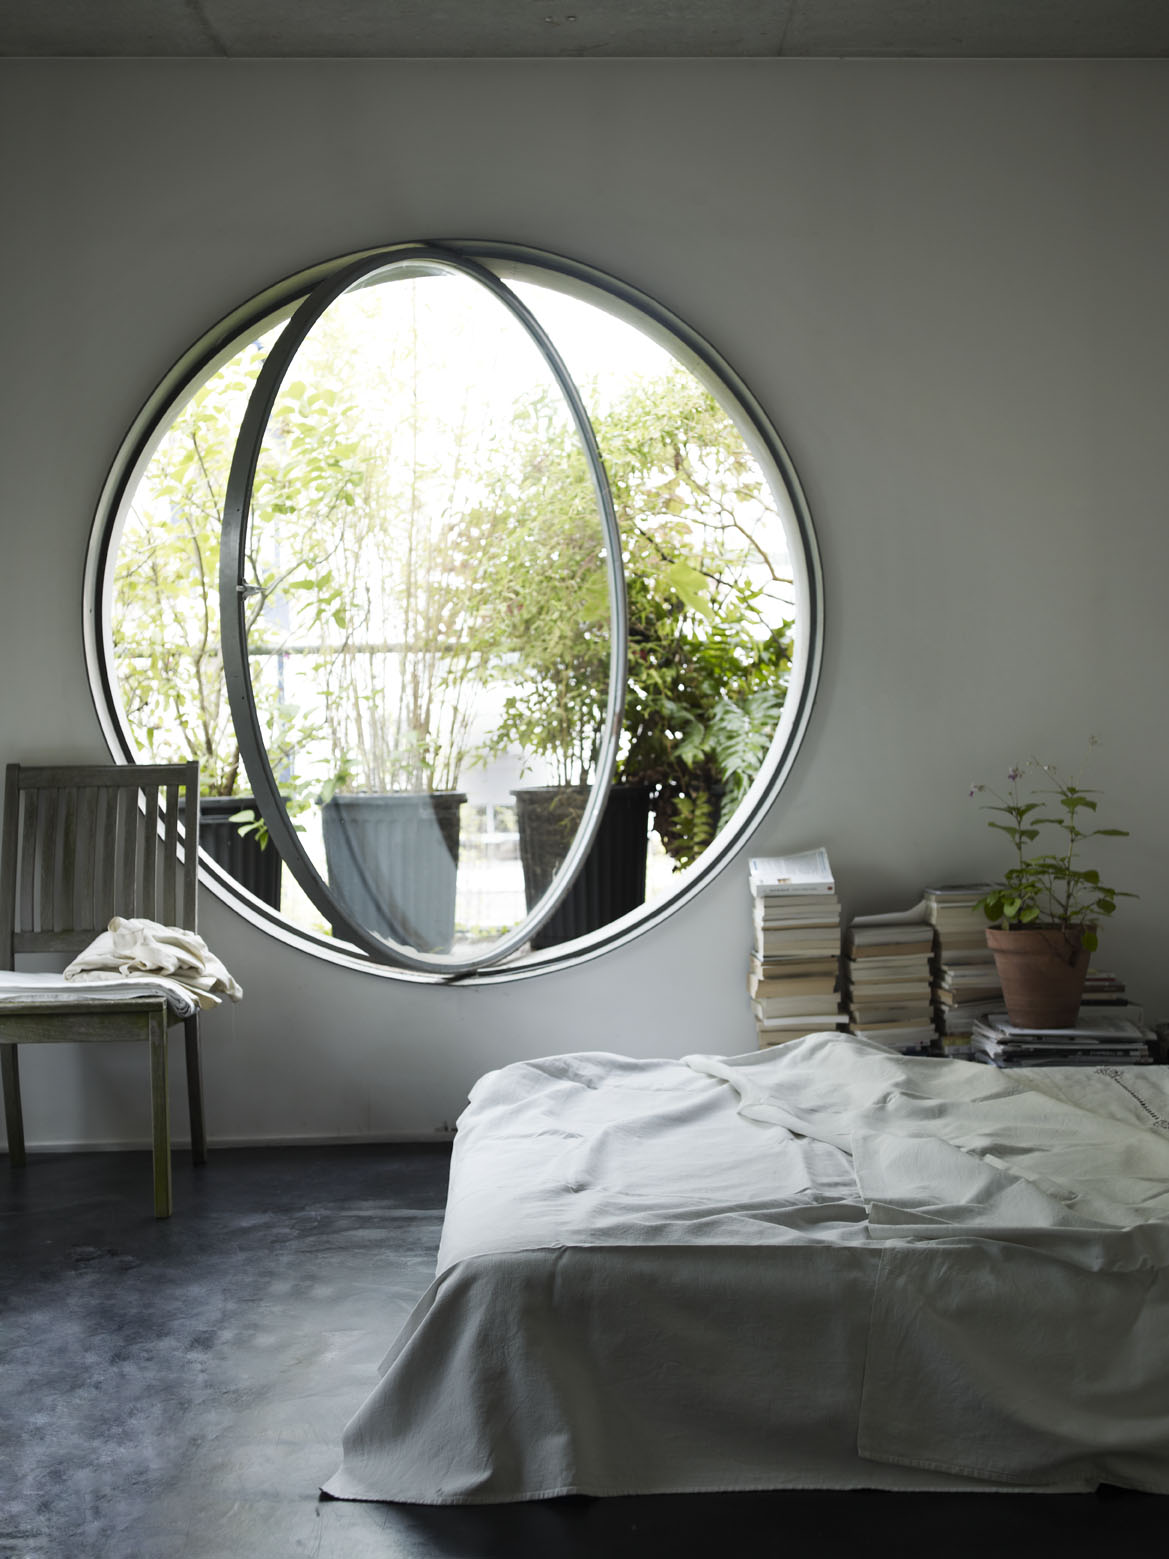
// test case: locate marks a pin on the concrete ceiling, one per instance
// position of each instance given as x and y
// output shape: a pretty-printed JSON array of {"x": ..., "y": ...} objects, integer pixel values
[{"x": 591, "y": 29}]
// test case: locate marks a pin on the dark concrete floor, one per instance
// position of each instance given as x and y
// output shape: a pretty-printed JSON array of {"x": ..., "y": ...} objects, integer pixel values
[{"x": 177, "y": 1389}]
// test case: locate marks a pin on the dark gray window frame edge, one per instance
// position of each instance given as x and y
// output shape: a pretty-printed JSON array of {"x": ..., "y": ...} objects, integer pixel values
[
  {"x": 281, "y": 299},
  {"x": 233, "y": 593}
]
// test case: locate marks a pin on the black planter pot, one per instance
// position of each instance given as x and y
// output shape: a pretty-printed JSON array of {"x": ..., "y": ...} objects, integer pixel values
[
  {"x": 240, "y": 855},
  {"x": 393, "y": 862},
  {"x": 612, "y": 880}
]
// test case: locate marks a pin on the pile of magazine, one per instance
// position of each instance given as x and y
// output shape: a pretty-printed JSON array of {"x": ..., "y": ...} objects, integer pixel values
[{"x": 1097, "y": 1038}]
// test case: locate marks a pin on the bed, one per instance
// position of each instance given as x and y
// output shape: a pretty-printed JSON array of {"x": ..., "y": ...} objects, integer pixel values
[{"x": 820, "y": 1266}]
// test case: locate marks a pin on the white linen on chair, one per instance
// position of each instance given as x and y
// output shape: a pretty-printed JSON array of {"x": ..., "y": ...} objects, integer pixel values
[{"x": 130, "y": 949}]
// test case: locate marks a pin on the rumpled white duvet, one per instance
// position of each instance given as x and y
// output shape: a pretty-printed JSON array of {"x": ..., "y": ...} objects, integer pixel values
[{"x": 824, "y": 1265}]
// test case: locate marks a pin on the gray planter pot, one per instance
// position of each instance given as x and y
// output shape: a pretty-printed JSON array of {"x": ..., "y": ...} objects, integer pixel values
[{"x": 393, "y": 862}]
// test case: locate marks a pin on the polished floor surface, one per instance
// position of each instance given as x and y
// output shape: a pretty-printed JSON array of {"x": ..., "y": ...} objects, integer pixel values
[{"x": 177, "y": 1389}]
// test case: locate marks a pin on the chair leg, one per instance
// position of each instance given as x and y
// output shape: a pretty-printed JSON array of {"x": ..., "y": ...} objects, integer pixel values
[
  {"x": 13, "y": 1117},
  {"x": 195, "y": 1089},
  {"x": 160, "y": 1116}
]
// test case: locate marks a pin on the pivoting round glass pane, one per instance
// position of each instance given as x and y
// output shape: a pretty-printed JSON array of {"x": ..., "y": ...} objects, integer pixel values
[{"x": 408, "y": 655}]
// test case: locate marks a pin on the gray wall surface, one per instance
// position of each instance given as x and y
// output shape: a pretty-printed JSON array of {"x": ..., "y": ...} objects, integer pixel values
[{"x": 944, "y": 280}]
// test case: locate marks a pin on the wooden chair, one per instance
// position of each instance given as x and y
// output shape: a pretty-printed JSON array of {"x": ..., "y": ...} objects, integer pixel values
[{"x": 81, "y": 845}]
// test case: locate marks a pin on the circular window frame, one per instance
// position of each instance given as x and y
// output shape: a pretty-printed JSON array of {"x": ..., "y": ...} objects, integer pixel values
[{"x": 510, "y": 262}]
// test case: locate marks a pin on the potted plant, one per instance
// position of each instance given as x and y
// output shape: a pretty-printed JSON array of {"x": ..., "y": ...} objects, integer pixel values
[
  {"x": 239, "y": 841},
  {"x": 706, "y": 685},
  {"x": 709, "y": 651},
  {"x": 389, "y": 608},
  {"x": 1047, "y": 905},
  {"x": 392, "y": 858},
  {"x": 707, "y": 681}
]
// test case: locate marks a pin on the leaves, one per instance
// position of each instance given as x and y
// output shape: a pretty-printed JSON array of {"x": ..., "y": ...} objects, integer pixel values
[
  {"x": 709, "y": 647},
  {"x": 1049, "y": 886},
  {"x": 415, "y": 576}
]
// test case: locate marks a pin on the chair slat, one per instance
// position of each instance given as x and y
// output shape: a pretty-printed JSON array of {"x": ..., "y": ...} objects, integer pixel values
[
  {"x": 170, "y": 856},
  {"x": 28, "y": 862},
  {"x": 85, "y": 866},
  {"x": 8, "y": 863},
  {"x": 63, "y": 915},
  {"x": 150, "y": 854},
  {"x": 47, "y": 850},
  {"x": 127, "y": 853},
  {"x": 190, "y": 910},
  {"x": 104, "y": 886}
]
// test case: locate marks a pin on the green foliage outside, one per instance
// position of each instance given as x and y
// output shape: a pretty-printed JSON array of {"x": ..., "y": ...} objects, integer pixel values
[
  {"x": 407, "y": 581},
  {"x": 708, "y": 666},
  {"x": 167, "y": 649}
]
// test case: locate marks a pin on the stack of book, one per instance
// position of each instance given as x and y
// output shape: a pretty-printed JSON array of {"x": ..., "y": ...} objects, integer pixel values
[
  {"x": 795, "y": 964},
  {"x": 966, "y": 982},
  {"x": 887, "y": 974},
  {"x": 1105, "y": 991},
  {"x": 1099, "y": 1038}
]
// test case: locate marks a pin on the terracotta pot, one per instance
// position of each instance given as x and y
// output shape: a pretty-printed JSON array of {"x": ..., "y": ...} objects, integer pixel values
[{"x": 1042, "y": 969}]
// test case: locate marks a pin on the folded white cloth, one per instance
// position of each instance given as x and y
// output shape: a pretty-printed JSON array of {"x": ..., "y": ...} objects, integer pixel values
[{"x": 130, "y": 949}]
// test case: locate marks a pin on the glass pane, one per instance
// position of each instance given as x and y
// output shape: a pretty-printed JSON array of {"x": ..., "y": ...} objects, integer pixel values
[
  {"x": 428, "y": 620},
  {"x": 167, "y": 650},
  {"x": 708, "y": 571}
]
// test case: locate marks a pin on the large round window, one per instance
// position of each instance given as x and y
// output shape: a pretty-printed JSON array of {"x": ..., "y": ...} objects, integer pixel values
[{"x": 481, "y": 590}]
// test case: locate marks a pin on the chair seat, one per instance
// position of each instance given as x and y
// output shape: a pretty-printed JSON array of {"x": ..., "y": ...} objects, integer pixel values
[
  {"x": 20, "y": 990},
  {"x": 81, "y": 1006}
]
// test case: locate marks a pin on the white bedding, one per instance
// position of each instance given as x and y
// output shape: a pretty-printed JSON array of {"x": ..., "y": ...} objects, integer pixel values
[{"x": 820, "y": 1266}]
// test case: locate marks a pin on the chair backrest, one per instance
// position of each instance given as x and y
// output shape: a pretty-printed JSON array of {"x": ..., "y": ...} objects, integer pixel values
[{"x": 82, "y": 844}]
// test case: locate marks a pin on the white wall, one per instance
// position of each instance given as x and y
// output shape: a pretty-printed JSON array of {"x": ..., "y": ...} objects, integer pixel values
[{"x": 944, "y": 280}]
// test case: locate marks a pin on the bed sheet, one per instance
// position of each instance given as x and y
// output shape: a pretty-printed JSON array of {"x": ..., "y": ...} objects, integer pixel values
[{"x": 829, "y": 1267}]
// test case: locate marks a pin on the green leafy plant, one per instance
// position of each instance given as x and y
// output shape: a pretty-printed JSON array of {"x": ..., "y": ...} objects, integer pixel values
[
  {"x": 408, "y": 593},
  {"x": 1048, "y": 888},
  {"x": 332, "y": 529},
  {"x": 708, "y": 661},
  {"x": 167, "y": 648}
]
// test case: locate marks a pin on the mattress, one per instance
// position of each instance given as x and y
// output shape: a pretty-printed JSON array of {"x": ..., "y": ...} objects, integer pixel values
[{"x": 824, "y": 1266}]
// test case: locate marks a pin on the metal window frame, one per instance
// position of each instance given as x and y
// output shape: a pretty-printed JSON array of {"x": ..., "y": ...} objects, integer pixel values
[
  {"x": 415, "y": 261},
  {"x": 278, "y": 301}
]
